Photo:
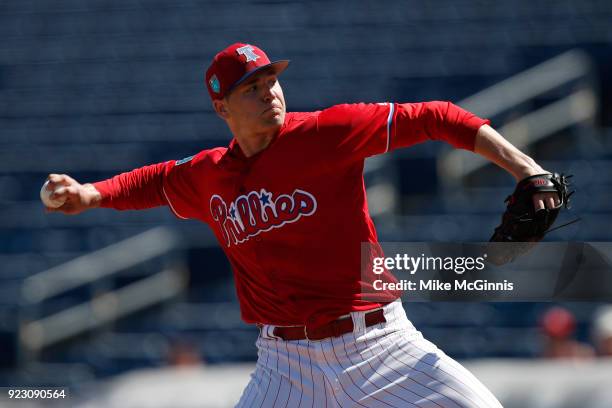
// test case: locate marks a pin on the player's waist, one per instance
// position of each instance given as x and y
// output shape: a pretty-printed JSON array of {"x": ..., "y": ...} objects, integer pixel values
[{"x": 335, "y": 328}]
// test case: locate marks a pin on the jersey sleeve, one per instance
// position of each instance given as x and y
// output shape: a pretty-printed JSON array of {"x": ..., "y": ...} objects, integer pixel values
[
  {"x": 182, "y": 187},
  {"x": 362, "y": 130},
  {"x": 138, "y": 189},
  {"x": 171, "y": 183},
  {"x": 356, "y": 130},
  {"x": 414, "y": 123}
]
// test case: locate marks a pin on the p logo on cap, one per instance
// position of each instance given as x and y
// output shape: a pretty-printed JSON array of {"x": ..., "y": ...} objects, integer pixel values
[
  {"x": 235, "y": 64},
  {"x": 248, "y": 52}
]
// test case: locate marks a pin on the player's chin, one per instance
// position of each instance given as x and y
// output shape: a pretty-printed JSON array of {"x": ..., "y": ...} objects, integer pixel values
[{"x": 274, "y": 118}]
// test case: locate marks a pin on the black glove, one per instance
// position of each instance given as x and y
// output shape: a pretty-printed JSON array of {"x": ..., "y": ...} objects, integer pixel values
[{"x": 521, "y": 223}]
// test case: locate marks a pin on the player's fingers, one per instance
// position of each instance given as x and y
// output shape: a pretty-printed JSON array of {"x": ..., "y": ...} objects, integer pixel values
[
  {"x": 69, "y": 179},
  {"x": 551, "y": 202},
  {"x": 56, "y": 180},
  {"x": 58, "y": 192},
  {"x": 64, "y": 192},
  {"x": 538, "y": 203}
]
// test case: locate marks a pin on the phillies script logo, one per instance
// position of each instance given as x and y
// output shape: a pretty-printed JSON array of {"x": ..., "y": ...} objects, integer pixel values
[{"x": 255, "y": 212}]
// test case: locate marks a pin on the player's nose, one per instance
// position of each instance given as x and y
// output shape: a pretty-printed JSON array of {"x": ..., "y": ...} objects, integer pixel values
[{"x": 267, "y": 95}]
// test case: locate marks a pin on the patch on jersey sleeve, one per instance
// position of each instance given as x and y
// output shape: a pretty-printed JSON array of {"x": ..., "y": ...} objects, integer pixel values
[{"x": 183, "y": 161}]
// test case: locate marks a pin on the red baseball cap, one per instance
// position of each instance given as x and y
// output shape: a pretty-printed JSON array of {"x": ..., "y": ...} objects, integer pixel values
[{"x": 234, "y": 64}]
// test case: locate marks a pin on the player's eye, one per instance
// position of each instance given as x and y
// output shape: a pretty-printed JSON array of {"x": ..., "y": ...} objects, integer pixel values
[{"x": 248, "y": 88}]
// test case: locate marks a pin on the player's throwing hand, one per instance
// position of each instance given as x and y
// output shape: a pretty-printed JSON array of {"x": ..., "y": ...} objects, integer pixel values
[{"x": 77, "y": 197}]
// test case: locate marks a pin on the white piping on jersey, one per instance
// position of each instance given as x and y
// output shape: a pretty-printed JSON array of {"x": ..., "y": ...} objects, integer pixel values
[
  {"x": 389, "y": 121},
  {"x": 170, "y": 204}
]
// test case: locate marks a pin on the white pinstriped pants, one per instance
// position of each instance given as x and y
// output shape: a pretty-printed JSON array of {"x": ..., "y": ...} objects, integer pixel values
[{"x": 386, "y": 365}]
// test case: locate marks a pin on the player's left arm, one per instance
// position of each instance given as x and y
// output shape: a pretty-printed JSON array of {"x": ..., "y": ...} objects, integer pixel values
[
  {"x": 494, "y": 147},
  {"x": 443, "y": 120},
  {"x": 357, "y": 131}
]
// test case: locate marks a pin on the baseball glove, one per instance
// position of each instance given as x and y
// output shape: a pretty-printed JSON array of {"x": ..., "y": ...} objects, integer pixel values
[{"x": 522, "y": 226}]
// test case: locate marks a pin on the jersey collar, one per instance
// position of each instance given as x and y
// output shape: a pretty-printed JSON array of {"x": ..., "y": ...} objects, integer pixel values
[{"x": 234, "y": 151}]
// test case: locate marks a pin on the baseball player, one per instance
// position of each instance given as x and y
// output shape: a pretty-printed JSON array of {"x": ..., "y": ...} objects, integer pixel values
[{"x": 287, "y": 203}]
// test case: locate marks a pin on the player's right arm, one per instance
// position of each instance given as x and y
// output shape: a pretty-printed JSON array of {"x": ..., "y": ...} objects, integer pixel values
[{"x": 138, "y": 189}]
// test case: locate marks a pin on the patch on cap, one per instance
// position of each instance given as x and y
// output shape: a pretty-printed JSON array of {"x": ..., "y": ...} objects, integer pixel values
[{"x": 215, "y": 85}]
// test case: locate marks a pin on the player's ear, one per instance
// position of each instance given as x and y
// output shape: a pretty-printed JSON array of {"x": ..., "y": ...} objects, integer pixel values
[{"x": 220, "y": 108}]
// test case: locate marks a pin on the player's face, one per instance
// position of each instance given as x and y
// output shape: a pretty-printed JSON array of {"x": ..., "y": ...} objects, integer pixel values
[{"x": 257, "y": 105}]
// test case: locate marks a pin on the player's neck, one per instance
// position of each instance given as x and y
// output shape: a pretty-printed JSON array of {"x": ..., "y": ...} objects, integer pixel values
[{"x": 251, "y": 144}]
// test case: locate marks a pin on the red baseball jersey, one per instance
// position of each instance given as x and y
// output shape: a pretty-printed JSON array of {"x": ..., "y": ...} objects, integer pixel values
[{"x": 291, "y": 219}]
